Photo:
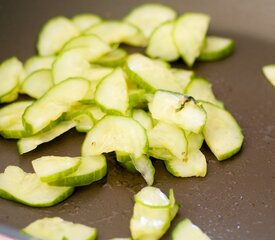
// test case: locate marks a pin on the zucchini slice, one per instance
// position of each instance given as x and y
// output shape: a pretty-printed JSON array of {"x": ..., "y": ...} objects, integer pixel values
[
  {"x": 183, "y": 77},
  {"x": 125, "y": 160},
  {"x": 54, "y": 34},
  {"x": 222, "y": 133},
  {"x": 115, "y": 32},
  {"x": 10, "y": 71},
  {"x": 91, "y": 169},
  {"x": 269, "y": 72},
  {"x": 50, "y": 107},
  {"x": 85, "y": 20},
  {"x": 161, "y": 43},
  {"x": 150, "y": 75},
  {"x": 26, "y": 188},
  {"x": 111, "y": 93},
  {"x": 185, "y": 229},
  {"x": 56, "y": 228},
  {"x": 144, "y": 118},
  {"x": 149, "y": 16},
  {"x": 178, "y": 109},
  {"x": 216, "y": 48},
  {"x": 189, "y": 34},
  {"x": 51, "y": 168},
  {"x": 116, "y": 133},
  {"x": 114, "y": 58}
]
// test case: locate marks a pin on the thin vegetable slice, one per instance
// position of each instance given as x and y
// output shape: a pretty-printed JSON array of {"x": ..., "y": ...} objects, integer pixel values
[
  {"x": 56, "y": 228},
  {"x": 114, "y": 58},
  {"x": 85, "y": 20},
  {"x": 189, "y": 34},
  {"x": 144, "y": 118},
  {"x": 222, "y": 133},
  {"x": 183, "y": 77},
  {"x": 269, "y": 72},
  {"x": 26, "y": 188},
  {"x": 116, "y": 133}
]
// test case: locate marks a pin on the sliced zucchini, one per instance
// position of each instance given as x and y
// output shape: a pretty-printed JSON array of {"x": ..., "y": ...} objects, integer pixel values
[
  {"x": 150, "y": 75},
  {"x": 152, "y": 197},
  {"x": 75, "y": 63},
  {"x": 144, "y": 118},
  {"x": 183, "y": 77},
  {"x": 169, "y": 139},
  {"x": 28, "y": 144},
  {"x": 216, "y": 48},
  {"x": 144, "y": 165},
  {"x": 51, "y": 106},
  {"x": 125, "y": 160},
  {"x": 195, "y": 140},
  {"x": 116, "y": 133},
  {"x": 269, "y": 72},
  {"x": 84, "y": 121},
  {"x": 91, "y": 169},
  {"x": 178, "y": 109},
  {"x": 51, "y": 168},
  {"x": 149, "y": 16},
  {"x": 114, "y": 58},
  {"x": 194, "y": 166},
  {"x": 115, "y": 32},
  {"x": 185, "y": 229},
  {"x": 37, "y": 83},
  {"x": 11, "y": 119},
  {"x": 161, "y": 43},
  {"x": 10, "y": 71},
  {"x": 222, "y": 133},
  {"x": 201, "y": 89},
  {"x": 56, "y": 228},
  {"x": 137, "y": 98},
  {"x": 26, "y": 188},
  {"x": 189, "y": 34},
  {"x": 54, "y": 34},
  {"x": 111, "y": 93},
  {"x": 85, "y": 20}
]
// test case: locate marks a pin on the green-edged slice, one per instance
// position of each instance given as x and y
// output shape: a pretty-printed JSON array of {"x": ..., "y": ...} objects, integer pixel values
[
  {"x": 51, "y": 106},
  {"x": 37, "y": 83},
  {"x": 194, "y": 166},
  {"x": 10, "y": 71},
  {"x": 54, "y": 34},
  {"x": 111, "y": 93},
  {"x": 183, "y": 77},
  {"x": 91, "y": 169},
  {"x": 85, "y": 20},
  {"x": 149, "y": 16},
  {"x": 125, "y": 160},
  {"x": 201, "y": 89},
  {"x": 115, "y": 32},
  {"x": 189, "y": 34},
  {"x": 161, "y": 43},
  {"x": 116, "y": 133},
  {"x": 51, "y": 168},
  {"x": 26, "y": 188},
  {"x": 185, "y": 229},
  {"x": 144, "y": 118},
  {"x": 114, "y": 58},
  {"x": 195, "y": 140},
  {"x": 216, "y": 48},
  {"x": 178, "y": 109},
  {"x": 222, "y": 133},
  {"x": 269, "y": 72},
  {"x": 27, "y": 144},
  {"x": 150, "y": 75},
  {"x": 56, "y": 228}
]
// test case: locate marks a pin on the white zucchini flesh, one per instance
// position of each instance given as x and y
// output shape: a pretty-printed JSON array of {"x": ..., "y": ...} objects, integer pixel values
[
  {"x": 185, "y": 229},
  {"x": 51, "y": 168},
  {"x": 114, "y": 58},
  {"x": 189, "y": 34},
  {"x": 54, "y": 34},
  {"x": 26, "y": 188},
  {"x": 269, "y": 72},
  {"x": 222, "y": 133},
  {"x": 161, "y": 43},
  {"x": 85, "y": 20},
  {"x": 178, "y": 109},
  {"x": 149, "y": 16},
  {"x": 183, "y": 77},
  {"x": 56, "y": 228},
  {"x": 150, "y": 75},
  {"x": 144, "y": 118},
  {"x": 10, "y": 71},
  {"x": 91, "y": 169},
  {"x": 116, "y": 133},
  {"x": 112, "y": 94},
  {"x": 50, "y": 107}
]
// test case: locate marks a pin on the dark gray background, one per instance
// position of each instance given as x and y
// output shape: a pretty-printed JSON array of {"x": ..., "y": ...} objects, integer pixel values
[{"x": 236, "y": 199}]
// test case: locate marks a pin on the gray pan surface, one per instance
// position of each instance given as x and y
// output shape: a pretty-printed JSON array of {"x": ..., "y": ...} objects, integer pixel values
[{"x": 235, "y": 201}]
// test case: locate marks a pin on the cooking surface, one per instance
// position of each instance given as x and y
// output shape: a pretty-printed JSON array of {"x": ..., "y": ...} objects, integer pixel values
[{"x": 236, "y": 198}]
